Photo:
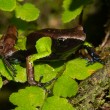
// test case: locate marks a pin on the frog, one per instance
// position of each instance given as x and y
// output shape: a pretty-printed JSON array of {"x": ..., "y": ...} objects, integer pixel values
[{"x": 65, "y": 42}]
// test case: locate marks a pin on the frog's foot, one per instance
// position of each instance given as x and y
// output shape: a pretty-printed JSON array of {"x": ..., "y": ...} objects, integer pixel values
[
  {"x": 91, "y": 55},
  {"x": 32, "y": 82}
]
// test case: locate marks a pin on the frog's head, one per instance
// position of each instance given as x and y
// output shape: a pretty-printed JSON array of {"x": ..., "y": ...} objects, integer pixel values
[{"x": 70, "y": 39}]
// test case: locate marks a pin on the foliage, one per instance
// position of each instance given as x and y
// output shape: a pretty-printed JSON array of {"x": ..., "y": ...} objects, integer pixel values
[
  {"x": 7, "y": 6},
  {"x": 72, "y": 8},
  {"x": 53, "y": 103},
  {"x": 73, "y": 67},
  {"x": 43, "y": 47},
  {"x": 65, "y": 86},
  {"x": 30, "y": 96},
  {"x": 27, "y": 12}
]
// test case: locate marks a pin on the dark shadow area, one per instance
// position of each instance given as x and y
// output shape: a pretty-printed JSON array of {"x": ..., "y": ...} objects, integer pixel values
[
  {"x": 76, "y": 4},
  {"x": 94, "y": 24},
  {"x": 6, "y": 91}
]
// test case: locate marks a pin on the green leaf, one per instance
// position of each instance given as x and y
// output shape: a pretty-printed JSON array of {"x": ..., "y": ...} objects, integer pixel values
[
  {"x": 43, "y": 46},
  {"x": 1, "y": 82},
  {"x": 21, "y": 43},
  {"x": 7, "y": 5},
  {"x": 72, "y": 8},
  {"x": 78, "y": 68},
  {"x": 26, "y": 108},
  {"x": 30, "y": 96},
  {"x": 65, "y": 87},
  {"x": 21, "y": 75},
  {"x": 66, "y": 4},
  {"x": 4, "y": 71},
  {"x": 46, "y": 71},
  {"x": 67, "y": 15},
  {"x": 27, "y": 12},
  {"x": 57, "y": 103}
]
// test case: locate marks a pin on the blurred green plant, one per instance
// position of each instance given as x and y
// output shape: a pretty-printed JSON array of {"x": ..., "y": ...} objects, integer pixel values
[
  {"x": 27, "y": 11},
  {"x": 65, "y": 86}
]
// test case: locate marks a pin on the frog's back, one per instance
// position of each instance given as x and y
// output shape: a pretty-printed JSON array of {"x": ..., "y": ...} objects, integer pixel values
[{"x": 67, "y": 35}]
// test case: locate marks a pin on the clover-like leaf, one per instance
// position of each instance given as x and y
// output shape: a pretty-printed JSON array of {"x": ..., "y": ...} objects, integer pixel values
[
  {"x": 46, "y": 71},
  {"x": 78, "y": 68},
  {"x": 72, "y": 8},
  {"x": 70, "y": 13},
  {"x": 7, "y": 5},
  {"x": 30, "y": 96},
  {"x": 65, "y": 87},
  {"x": 67, "y": 16},
  {"x": 5, "y": 71},
  {"x": 21, "y": 75},
  {"x": 43, "y": 47},
  {"x": 27, "y": 12},
  {"x": 21, "y": 43},
  {"x": 57, "y": 103},
  {"x": 44, "y": 44}
]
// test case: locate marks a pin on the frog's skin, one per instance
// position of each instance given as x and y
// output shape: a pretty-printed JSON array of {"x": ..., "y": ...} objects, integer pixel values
[{"x": 64, "y": 43}]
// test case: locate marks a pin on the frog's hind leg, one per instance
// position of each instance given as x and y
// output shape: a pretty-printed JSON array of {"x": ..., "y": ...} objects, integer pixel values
[{"x": 90, "y": 54}]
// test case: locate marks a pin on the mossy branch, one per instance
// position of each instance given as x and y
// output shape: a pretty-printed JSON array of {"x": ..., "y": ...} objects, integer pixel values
[{"x": 94, "y": 92}]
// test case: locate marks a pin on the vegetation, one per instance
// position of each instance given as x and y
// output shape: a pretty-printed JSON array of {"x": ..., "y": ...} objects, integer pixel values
[{"x": 28, "y": 16}]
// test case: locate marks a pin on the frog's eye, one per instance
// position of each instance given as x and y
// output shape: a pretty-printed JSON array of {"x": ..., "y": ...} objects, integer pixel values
[{"x": 62, "y": 39}]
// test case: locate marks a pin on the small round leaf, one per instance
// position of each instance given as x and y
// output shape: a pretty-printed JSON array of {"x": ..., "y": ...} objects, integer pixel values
[
  {"x": 27, "y": 12},
  {"x": 78, "y": 68},
  {"x": 44, "y": 44},
  {"x": 30, "y": 96},
  {"x": 72, "y": 10},
  {"x": 67, "y": 15},
  {"x": 46, "y": 71},
  {"x": 65, "y": 87},
  {"x": 5, "y": 71},
  {"x": 7, "y": 5},
  {"x": 21, "y": 43},
  {"x": 21, "y": 75},
  {"x": 57, "y": 103}
]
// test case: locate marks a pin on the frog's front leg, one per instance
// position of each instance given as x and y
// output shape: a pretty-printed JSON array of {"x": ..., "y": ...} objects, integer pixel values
[
  {"x": 43, "y": 47},
  {"x": 30, "y": 72}
]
